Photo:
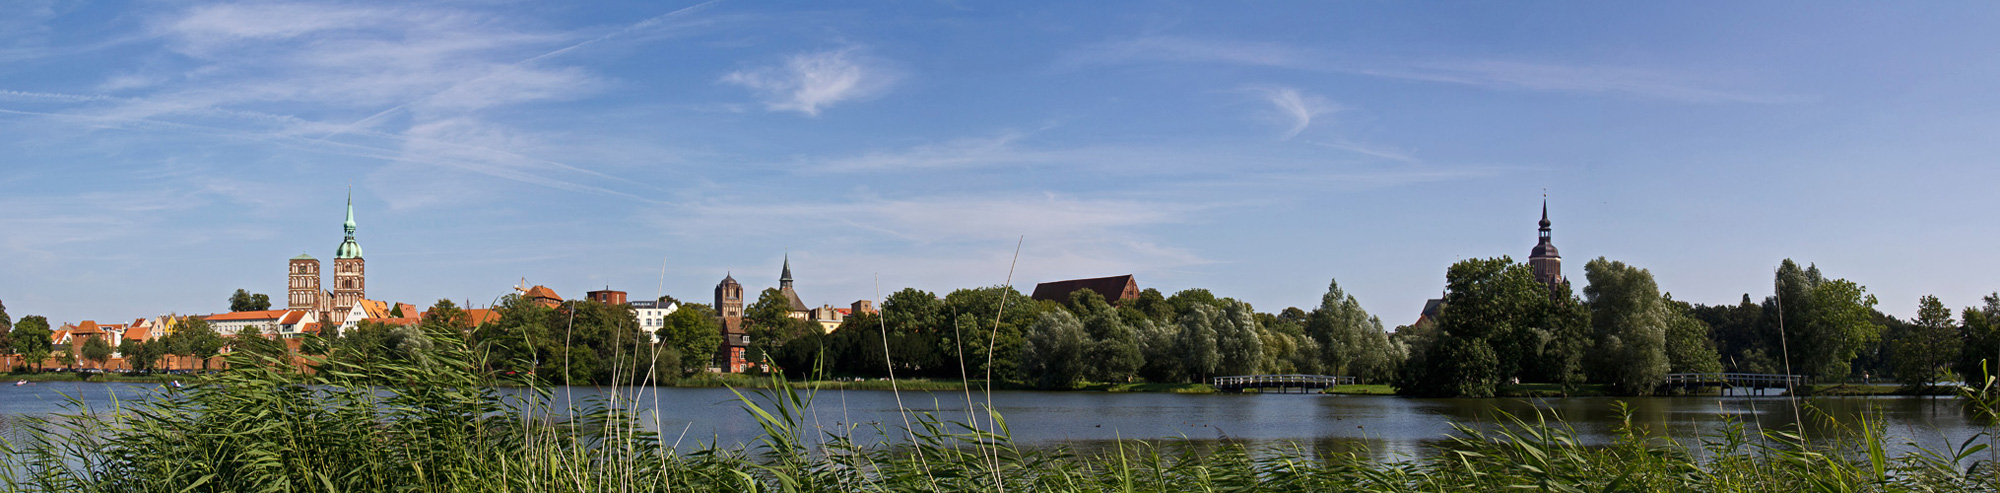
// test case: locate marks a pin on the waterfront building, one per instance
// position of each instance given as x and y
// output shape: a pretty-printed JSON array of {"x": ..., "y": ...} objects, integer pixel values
[
  {"x": 1114, "y": 289},
  {"x": 828, "y": 317},
  {"x": 541, "y": 296},
  {"x": 272, "y": 323}
]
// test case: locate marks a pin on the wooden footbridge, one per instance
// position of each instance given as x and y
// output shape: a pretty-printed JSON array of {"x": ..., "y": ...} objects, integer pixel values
[
  {"x": 1282, "y": 383},
  {"x": 1757, "y": 382}
]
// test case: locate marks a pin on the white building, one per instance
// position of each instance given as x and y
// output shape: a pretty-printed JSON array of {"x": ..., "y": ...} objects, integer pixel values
[{"x": 653, "y": 316}]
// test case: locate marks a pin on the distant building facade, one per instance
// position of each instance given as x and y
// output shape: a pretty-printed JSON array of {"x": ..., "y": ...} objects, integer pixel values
[
  {"x": 1544, "y": 261},
  {"x": 729, "y": 358},
  {"x": 304, "y": 291}
]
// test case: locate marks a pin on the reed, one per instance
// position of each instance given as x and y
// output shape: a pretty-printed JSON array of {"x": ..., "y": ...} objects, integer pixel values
[{"x": 437, "y": 423}]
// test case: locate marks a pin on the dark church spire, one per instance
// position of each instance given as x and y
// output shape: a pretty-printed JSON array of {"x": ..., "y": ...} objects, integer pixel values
[{"x": 785, "y": 279}]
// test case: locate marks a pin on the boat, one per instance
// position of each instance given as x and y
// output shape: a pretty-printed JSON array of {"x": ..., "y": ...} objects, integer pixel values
[{"x": 20, "y": 383}]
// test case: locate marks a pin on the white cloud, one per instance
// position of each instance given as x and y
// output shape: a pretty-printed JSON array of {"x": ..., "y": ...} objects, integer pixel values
[
  {"x": 808, "y": 82},
  {"x": 1298, "y": 109}
]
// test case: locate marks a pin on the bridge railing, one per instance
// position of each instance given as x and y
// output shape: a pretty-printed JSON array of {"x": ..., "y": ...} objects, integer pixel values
[
  {"x": 1767, "y": 380},
  {"x": 1249, "y": 381}
]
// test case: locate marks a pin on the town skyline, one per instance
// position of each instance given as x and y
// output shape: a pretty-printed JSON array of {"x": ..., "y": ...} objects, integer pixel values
[{"x": 163, "y": 156}]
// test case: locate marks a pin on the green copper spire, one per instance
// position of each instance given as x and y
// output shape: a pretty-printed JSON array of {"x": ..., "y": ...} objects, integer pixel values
[{"x": 349, "y": 248}]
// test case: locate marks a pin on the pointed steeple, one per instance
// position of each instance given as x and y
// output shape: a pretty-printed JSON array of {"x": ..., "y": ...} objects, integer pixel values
[
  {"x": 348, "y": 247},
  {"x": 785, "y": 278}
]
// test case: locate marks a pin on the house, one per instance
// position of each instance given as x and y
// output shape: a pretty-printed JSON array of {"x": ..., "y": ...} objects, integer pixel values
[
  {"x": 274, "y": 323},
  {"x": 653, "y": 315}
]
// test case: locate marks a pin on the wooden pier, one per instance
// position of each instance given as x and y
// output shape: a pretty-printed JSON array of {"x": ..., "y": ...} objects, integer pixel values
[{"x": 1282, "y": 383}]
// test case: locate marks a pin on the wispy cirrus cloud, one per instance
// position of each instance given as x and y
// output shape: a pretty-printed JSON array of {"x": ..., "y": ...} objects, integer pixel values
[
  {"x": 1295, "y": 107},
  {"x": 1497, "y": 73},
  {"x": 809, "y": 82}
]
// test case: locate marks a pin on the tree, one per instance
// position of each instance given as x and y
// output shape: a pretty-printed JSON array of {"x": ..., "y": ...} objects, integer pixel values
[
  {"x": 1113, "y": 350},
  {"x": 1195, "y": 343},
  {"x": 33, "y": 340},
  {"x": 1237, "y": 340},
  {"x": 1351, "y": 342},
  {"x": 244, "y": 301},
  {"x": 1827, "y": 321},
  {"x": 196, "y": 338},
  {"x": 1979, "y": 330},
  {"x": 1630, "y": 321},
  {"x": 1054, "y": 353},
  {"x": 1926, "y": 348},
  {"x": 1689, "y": 349},
  {"x": 1488, "y": 304},
  {"x": 250, "y": 339},
  {"x": 692, "y": 335},
  {"x": 66, "y": 357},
  {"x": 141, "y": 355},
  {"x": 6, "y": 332},
  {"x": 770, "y": 324},
  {"x": 96, "y": 350}
]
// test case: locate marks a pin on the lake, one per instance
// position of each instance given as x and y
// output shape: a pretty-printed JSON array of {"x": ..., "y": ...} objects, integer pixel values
[{"x": 1383, "y": 427}]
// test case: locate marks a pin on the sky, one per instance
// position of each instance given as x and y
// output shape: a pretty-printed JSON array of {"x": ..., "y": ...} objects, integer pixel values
[{"x": 155, "y": 156}]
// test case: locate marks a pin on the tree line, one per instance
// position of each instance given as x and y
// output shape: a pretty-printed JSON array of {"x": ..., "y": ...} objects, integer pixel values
[{"x": 1497, "y": 325}]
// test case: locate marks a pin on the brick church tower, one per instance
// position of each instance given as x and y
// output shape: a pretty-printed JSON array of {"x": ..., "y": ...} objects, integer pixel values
[
  {"x": 1546, "y": 263},
  {"x": 303, "y": 285},
  {"x": 350, "y": 279}
]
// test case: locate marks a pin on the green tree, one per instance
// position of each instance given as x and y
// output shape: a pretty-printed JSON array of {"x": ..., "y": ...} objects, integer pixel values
[
  {"x": 196, "y": 338},
  {"x": 33, "y": 340},
  {"x": 1827, "y": 321},
  {"x": 692, "y": 335},
  {"x": 1630, "y": 319},
  {"x": 1979, "y": 329},
  {"x": 95, "y": 350},
  {"x": 1113, "y": 351},
  {"x": 251, "y": 339},
  {"x": 1486, "y": 300},
  {"x": 1195, "y": 343},
  {"x": 1926, "y": 348},
  {"x": 1237, "y": 340},
  {"x": 1689, "y": 349},
  {"x": 6, "y": 332},
  {"x": 1350, "y": 341},
  {"x": 244, "y": 301},
  {"x": 142, "y": 355},
  {"x": 66, "y": 357},
  {"x": 770, "y": 323},
  {"x": 991, "y": 324},
  {"x": 1055, "y": 350}
]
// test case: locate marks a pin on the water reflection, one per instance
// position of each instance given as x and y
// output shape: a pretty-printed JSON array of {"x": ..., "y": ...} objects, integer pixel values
[{"x": 1387, "y": 428}]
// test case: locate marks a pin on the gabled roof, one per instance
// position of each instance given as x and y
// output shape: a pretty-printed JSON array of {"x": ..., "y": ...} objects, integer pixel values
[
  {"x": 544, "y": 292},
  {"x": 139, "y": 333},
  {"x": 249, "y": 315},
  {"x": 1108, "y": 287},
  {"x": 292, "y": 317},
  {"x": 85, "y": 327},
  {"x": 372, "y": 308}
]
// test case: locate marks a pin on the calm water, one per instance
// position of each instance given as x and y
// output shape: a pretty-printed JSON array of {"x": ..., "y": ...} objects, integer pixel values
[{"x": 1387, "y": 427}]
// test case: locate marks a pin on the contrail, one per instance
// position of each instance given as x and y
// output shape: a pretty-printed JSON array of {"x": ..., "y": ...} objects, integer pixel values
[{"x": 634, "y": 27}]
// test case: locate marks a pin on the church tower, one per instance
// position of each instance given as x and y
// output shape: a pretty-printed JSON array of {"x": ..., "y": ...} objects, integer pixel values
[
  {"x": 1544, "y": 260},
  {"x": 729, "y": 298},
  {"x": 350, "y": 279},
  {"x": 303, "y": 288},
  {"x": 798, "y": 307}
]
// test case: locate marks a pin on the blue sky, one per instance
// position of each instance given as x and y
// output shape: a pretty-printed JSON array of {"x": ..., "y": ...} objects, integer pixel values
[{"x": 156, "y": 156}]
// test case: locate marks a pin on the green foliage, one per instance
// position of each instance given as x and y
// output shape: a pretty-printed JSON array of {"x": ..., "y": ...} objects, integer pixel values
[
  {"x": 691, "y": 335},
  {"x": 244, "y": 301},
  {"x": 95, "y": 350},
  {"x": 1828, "y": 321},
  {"x": 1630, "y": 320},
  {"x": 6, "y": 331},
  {"x": 1979, "y": 329},
  {"x": 1494, "y": 313},
  {"x": 33, "y": 340},
  {"x": 1238, "y": 346},
  {"x": 1056, "y": 350},
  {"x": 1689, "y": 349},
  {"x": 1925, "y": 349},
  {"x": 1350, "y": 341},
  {"x": 1195, "y": 343},
  {"x": 1112, "y": 352}
]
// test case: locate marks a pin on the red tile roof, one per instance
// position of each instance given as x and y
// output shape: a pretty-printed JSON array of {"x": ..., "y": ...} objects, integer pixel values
[
  {"x": 249, "y": 315},
  {"x": 138, "y": 334}
]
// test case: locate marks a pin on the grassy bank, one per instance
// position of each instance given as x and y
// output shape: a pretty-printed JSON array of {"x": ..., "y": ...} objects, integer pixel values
[
  {"x": 95, "y": 377},
  {"x": 1849, "y": 389},
  {"x": 1368, "y": 389},
  {"x": 436, "y": 424}
]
